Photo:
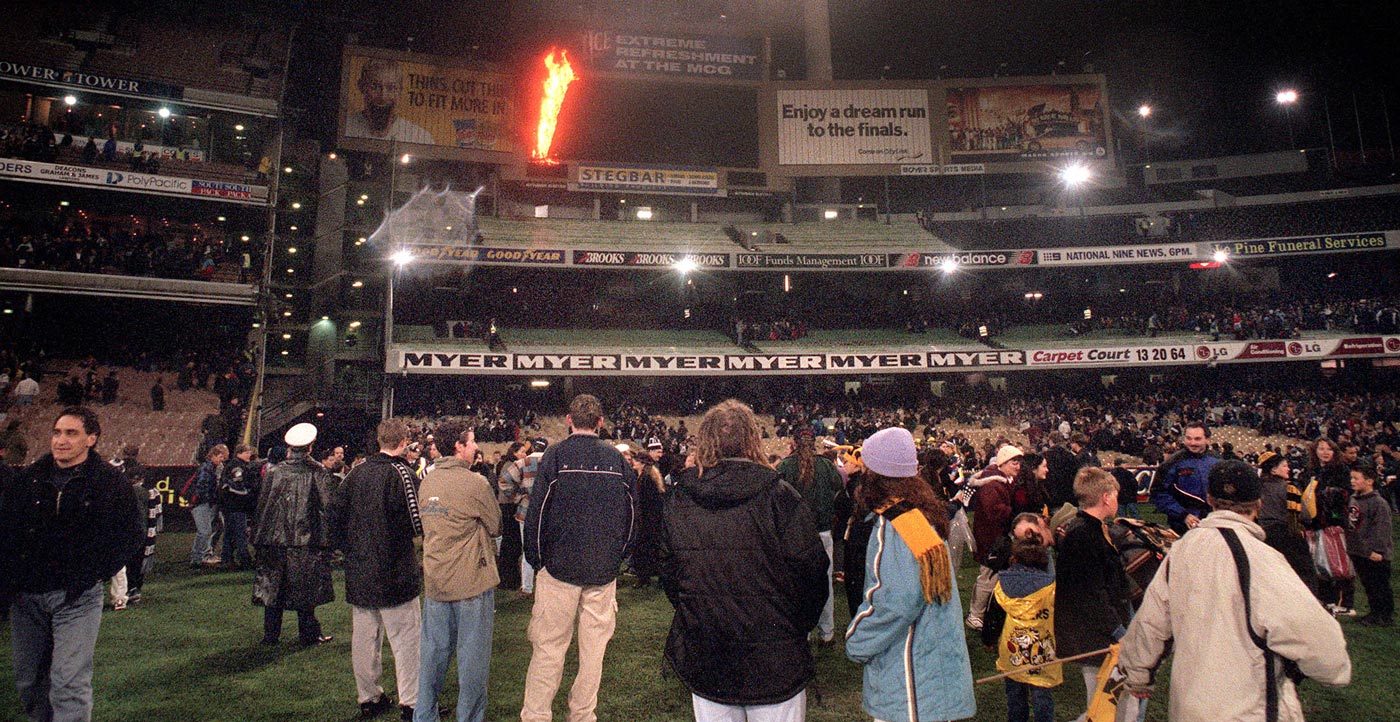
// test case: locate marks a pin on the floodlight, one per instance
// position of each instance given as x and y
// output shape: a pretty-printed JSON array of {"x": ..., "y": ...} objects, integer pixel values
[
  {"x": 685, "y": 265},
  {"x": 1144, "y": 110},
  {"x": 948, "y": 265},
  {"x": 70, "y": 100},
  {"x": 1286, "y": 97},
  {"x": 1221, "y": 256},
  {"x": 402, "y": 257},
  {"x": 163, "y": 112},
  {"x": 1075, "y": 175}
]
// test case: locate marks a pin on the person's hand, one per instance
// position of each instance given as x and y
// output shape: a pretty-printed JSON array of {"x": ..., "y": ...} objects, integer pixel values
[
  {"x": 1142, "y": 693},
  {"x": 1376, "y": 557},
  {"x": 1192, "y": 521}
]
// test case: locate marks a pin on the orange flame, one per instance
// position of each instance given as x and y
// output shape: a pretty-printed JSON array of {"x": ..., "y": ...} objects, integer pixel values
[{"x": 556, "y": 84}]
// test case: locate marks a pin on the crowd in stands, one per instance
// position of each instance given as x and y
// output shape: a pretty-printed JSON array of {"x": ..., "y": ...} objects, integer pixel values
[
  {"x": 79, "y": 243},
  {"x": 1244, "y": 321},
  {"x": 747, "y": 331}
]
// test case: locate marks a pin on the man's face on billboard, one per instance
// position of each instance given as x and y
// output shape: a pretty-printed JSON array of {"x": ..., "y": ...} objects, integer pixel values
[{"x": 381, "y": 88}]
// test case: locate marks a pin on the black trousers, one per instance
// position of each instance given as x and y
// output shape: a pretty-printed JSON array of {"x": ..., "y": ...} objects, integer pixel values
[
  {"x": 1375, "y": 579},
  {"x": 508, "y": 563},
  {"x": 135, "y": 571},
  {"x": 308, "y": 627}
]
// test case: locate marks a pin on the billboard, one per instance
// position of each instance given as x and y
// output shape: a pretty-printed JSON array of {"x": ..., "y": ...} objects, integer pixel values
[
  {"x": 1026, "y": 122},
  {"x": 673, "y": 57},
  {"x": 679, "y": 180},
  {"x": 393, "y": 102},
  {"x": 853, "y": 126}
]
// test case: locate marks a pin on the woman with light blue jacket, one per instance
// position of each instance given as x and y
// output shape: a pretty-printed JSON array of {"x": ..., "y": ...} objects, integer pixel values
[{"x": 908, "y": 630}]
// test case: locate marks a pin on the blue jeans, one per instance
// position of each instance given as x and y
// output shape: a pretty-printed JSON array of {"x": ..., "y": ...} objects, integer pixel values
[
  {"x": 203, "y": 547},
  {"x": 1017, "y": 709},
  {"x": 53, "y": 640},
  {"x": 464, "y": 626},
  {"x": 236, "y": 538}
]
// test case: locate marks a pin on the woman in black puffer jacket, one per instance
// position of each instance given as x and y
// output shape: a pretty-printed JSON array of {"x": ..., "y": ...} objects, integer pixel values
[{"x": 744, "y": 568}]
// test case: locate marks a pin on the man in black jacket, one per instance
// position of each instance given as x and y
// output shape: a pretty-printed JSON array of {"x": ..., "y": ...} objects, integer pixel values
[
  {"x": 581, "y": 520},
  {"x": 70, "y": 523},
  {"x": 374, "y": 521}
]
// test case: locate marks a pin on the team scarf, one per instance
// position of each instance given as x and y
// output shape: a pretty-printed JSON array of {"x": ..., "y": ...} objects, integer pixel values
[
  {"x": 410, "y": 492},
  {"x": 935, "y": 571}
]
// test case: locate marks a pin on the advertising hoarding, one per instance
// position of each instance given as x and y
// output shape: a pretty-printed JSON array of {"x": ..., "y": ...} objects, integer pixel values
[
  {"x": 392, "y": 102},
  {"x": 1036, "y": 121},
  {"x": 675, "y": 57},
  {"x": 853, "y": 126}
]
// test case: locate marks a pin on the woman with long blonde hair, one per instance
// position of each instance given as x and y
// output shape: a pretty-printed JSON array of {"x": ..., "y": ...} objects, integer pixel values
[{"x": 742, "y": 564}]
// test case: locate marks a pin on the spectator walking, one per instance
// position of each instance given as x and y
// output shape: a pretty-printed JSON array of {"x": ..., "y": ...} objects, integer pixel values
[
  {"x": 818, "y": 480},
  {"x": 204, "y": 508}
]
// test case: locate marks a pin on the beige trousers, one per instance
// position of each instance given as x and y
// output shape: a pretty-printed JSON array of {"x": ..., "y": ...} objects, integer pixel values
[
  {"x": 558, "y": 606},
  {"x": 403, "y": 625}
]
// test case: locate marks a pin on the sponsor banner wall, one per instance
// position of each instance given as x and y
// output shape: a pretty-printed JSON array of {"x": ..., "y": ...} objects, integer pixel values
[
  {"x": 906, "y": 360},
  {"x": 970, "y": 259},
  {"x": 648, "y": 179},
  {"x": 390, "y": 98},
  {"x": 484, "y": 254},
  {"x": 25, "y": 72},
  {"x": 124, "y": 180},
  {"x": 649, "y": 259},
  {"x": 1039, "y": 121},
  {"x": 935, "y": 169},
  {"x": 1119, "y": 254},
  {"x": 812, "y": 261},
  {"x": 854, "y": 126},
  {"x": 668, "y": 56},
  {"x": 1303, "y": 245}
]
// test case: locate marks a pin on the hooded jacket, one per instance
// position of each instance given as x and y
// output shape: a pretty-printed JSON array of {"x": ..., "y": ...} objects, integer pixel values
[
  {"x": 743, "y": 566},
  {"x": 991, "y": 510},
  {"x": 914, "y": 651},
  {"x": 372, "y": 525},
  {"x": 1194, "y": 606},
  {"x": 69, "y": 540}
]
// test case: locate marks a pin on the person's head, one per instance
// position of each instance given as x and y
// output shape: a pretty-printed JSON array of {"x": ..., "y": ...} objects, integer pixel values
[
  {"x": 1009, "y": 460},
  {"x": 1031, "y": 524},
  {"x": 1324, "y": 452},
  {"x": 1274, "y": 465},
  {"x": 444, "y": 442},
  {"x": 217, "y": 454},
  {"x": 1196, "y": 438},
  {"x": 75, "y": 433},
  {"x": 891, "y": 472},
  {"x": 1234, "y": 485},
  {"x": 728, "y": 430},
  {"x": 1350, "y": 452},
  {"x": 462, "y": 437},
  {"x": 654, "y": 449},
  {"x": 1035, "y": 467},
  {"x": 1077, "y": 442},
  {"x": 380, "y": 83},
  {"x": 1030, "y": 551},
  {"x": 244, "y": 452},
  {"x": 1363, "y": 479},
  {"x": 392, "y": 434},
  {"x": 412, "y": 452},
  {"x": 585, "y": 414},
  {"x": 516, "y": 451},
  {"x": 1097, "y": 492}
]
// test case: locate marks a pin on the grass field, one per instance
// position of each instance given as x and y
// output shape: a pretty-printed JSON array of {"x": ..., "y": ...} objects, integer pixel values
[{"x": 189, "y": 652}]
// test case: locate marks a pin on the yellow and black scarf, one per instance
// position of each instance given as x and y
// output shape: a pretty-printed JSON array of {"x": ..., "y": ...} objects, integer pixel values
[{"x": 935, "y": 572}]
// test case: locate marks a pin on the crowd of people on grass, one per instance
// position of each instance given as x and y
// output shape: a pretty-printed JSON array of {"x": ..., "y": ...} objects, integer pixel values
[{"x": 748, "y": 550}]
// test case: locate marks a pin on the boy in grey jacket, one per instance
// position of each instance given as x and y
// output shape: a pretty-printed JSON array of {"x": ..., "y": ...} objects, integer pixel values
[{"x": 1370, "y": 545}]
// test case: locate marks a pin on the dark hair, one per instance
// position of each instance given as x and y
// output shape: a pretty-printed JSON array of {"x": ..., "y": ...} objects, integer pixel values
[
  {"x": 509, "y": 456},
  {"x": 1196, "y": 425},
  {"x": 585, "y": 412},
  {"x": 1367, "y": 471},
  {"x": 448, "y": 435},
  {"x": 89, "y": 418},
  {"x": 1030, "y": 552}
]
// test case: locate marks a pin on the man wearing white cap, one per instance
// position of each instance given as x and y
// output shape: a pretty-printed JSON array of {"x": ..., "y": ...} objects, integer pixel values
[
  {"x": 991, "y": 518},
  {"x": 293, "y": 540}
]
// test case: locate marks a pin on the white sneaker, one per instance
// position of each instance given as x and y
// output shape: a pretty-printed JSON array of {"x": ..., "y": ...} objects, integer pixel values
[
  {"x": 974, "y": 622},
  {"x": 1341, "y": 611}
]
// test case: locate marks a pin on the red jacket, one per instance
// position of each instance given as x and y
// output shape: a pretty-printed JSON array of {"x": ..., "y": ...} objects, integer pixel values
[{"x": 991, "y": 509}]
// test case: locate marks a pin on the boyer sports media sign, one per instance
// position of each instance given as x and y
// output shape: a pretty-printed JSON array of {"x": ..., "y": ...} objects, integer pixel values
[{"x": 602, "y": 362}]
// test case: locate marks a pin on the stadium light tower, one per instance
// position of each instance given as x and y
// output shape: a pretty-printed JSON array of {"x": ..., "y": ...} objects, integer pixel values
[
  {"x": 1288, "y": 98},
  {"x": 1145, "y": 112},
  {"x": 1075, "y": 176}
]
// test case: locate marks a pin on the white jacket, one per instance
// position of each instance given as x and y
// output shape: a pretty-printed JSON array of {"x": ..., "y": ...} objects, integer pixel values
[{"x": 1195, "y": 603}]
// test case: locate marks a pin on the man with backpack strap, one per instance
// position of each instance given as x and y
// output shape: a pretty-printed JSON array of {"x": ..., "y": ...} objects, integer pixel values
[{"x": 1238, "y": 614}]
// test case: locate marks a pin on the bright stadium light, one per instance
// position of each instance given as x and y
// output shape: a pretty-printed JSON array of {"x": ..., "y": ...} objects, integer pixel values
[
  {"x": 70, "y": 100},
  {"x": 1286, "y": 97},
  {"x": 685, "y": 265},
  {"x": 948, "y": 265},
  {"x": 402, "y": 257},
  {"x": 1075, "y": 175},
  {"x": 831, "y": 215},
  {"x": 1144, "y": 110},
  {"x": 1221, "y": 256},
  {"x": 163, "y": 113}
]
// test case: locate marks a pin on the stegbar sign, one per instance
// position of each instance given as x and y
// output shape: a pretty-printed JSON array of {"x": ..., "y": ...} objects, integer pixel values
[{"x": 889, "y": 361}]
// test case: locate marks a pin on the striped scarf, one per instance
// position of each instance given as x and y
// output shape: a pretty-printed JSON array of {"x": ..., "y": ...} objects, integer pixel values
[
  {"x": 410, "y": 493},
  {"x": 935, "y": 571}
]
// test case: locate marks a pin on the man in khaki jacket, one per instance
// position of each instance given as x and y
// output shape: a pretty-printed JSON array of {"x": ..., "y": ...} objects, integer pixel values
[{"x": 460, "y": 517}]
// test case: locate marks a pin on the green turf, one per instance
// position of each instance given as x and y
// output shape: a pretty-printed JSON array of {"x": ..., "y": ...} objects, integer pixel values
[{"x": 189, "y": 652}]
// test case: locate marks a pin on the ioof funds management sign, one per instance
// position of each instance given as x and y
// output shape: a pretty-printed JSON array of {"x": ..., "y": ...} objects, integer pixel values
[{"x": 853, "y": 126}]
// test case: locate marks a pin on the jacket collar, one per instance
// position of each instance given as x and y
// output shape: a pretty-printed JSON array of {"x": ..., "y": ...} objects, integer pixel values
[
  {"x": 45, "y": 465},
  {"x": 451, "y": 462},
  {"x": 1231, "y": 520}
]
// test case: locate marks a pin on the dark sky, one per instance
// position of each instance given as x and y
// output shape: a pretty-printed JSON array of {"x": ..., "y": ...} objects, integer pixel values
[{"x": 1209, "y": 68}]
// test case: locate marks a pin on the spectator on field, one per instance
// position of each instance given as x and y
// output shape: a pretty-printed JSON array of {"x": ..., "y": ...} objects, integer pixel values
[{"x": 818, "y": 480}]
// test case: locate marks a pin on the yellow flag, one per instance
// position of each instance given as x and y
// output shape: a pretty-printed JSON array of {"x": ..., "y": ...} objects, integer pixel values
[{"x": 1110, "y": 686}]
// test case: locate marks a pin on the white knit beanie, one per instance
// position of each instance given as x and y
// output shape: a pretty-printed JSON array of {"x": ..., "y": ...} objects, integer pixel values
[{"x": 890, "y": 452}]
